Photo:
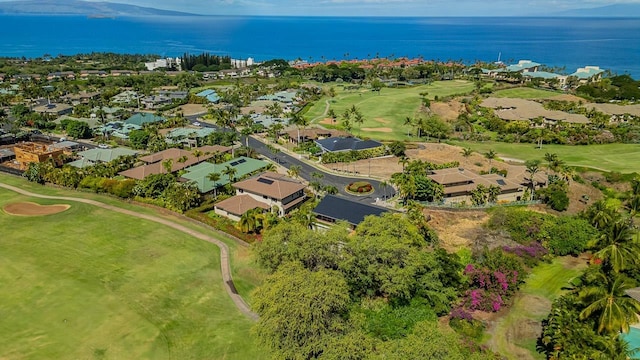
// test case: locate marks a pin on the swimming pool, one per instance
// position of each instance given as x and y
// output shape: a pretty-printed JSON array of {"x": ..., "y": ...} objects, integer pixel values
[{"x": 633, "y": 338}]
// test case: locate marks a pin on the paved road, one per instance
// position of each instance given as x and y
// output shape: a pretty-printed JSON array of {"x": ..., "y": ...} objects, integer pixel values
[
  {"x": 328, "y": 178},
  {"x": 224, "y": 249}
]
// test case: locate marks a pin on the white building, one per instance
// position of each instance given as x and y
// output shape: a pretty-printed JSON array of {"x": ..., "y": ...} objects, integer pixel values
[{"x": 164, "y": 63}]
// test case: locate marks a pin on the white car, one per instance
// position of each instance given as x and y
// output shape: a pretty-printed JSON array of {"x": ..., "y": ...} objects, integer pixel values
[
  {"x": 104, "y": 146},
  {"x": 196, "y": 123}
]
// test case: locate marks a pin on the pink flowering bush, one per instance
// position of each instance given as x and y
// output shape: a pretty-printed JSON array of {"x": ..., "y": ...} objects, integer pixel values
[{"x": 489, "y": 289}]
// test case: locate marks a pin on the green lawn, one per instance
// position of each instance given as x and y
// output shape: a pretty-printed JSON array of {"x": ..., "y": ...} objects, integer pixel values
[
  {"x": 89, "y": 283},
  {"x": 386, "y": 110},
  {"x": 531, "y": 305},
  {"x": 525, "y": 93},
  {"x": 624, "y": 158}
]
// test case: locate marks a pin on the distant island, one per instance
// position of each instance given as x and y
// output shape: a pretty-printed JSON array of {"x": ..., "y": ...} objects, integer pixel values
[{"x": 79, "y": 7}]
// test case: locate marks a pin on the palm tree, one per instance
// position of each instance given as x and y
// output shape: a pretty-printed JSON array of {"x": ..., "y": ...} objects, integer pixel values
[
  {"x": 600, "y": 215},
  {"x": 299, "y": 121},
  {"x": 533, "y": 167},
  {"x": 467, "y": 152},
  {"x": 230, "y": 172},
  {"x": 404, "y": 161},
  {"x": 633, "y": 205},
  {"x": 294, "y": 171},
  {"x": 384, "y": 185},
  {"x": 168, "y": 165},
  {"x": 617, "y": 246},
  {"x": 197, "y": 153},
  {"x": 249, "y": 220},
  {"x": 607, "y": 300},
  {"x": 214, "y": 177},
  {"x": 490, "y": 155}
]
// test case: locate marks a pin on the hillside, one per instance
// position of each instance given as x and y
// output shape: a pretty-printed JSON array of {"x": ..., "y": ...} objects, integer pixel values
[{"x": 78, "y": 7}]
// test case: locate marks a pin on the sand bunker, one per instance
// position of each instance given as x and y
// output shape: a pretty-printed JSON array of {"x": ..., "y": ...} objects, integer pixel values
[
  {"x": 33, "y": 209},
  {"x": 328, "y": 121},
  {"x": 382, "y": 120},
  {"x": 383, "y": 129}
]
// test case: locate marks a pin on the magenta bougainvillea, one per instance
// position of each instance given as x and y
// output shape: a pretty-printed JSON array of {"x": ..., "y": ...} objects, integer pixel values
[{"x": 488, "y": 289}]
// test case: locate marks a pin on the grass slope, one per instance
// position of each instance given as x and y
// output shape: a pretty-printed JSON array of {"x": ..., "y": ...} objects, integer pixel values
[
  {"x": 525, "y": 93},
  {"x": 90, "y": 283},
  {"x": 385, "y": 110},
  {"x": 624, "y": 158},
  {"x": 531, "y": 305}
]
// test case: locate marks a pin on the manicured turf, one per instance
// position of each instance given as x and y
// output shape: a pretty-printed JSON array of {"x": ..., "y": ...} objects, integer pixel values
[
  {"x": 525, "y": 93},
  {"x": 545, "y": 283},
  {"x": 624, "y": 158},
  {"x": 389, "y": 109},
  {"x": 90, "y": 283}
]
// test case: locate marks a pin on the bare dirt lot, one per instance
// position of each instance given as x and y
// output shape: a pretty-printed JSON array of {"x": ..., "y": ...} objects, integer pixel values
[
  {"x": 33, "y": 209},
  {"x": 440, "y": 153}
]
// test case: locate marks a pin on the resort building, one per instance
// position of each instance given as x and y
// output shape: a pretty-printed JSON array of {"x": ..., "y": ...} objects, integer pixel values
[
  {"x": 266, "y": 191},
  {"x": 588, "y": 74},
  {"x": 510, "y": 109}
]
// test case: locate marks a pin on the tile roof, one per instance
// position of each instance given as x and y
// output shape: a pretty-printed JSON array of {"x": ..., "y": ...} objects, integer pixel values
[
  {"x": 587, "y": 72},
  {"x": 144, "y": 118},
  {"x": 459, "y": 180},
  {"x": 270, "y": 184},
  {"x": 105, "y": 155},
  {"x": 155, "y": 161},
  {"x": 240, "y": 204}
]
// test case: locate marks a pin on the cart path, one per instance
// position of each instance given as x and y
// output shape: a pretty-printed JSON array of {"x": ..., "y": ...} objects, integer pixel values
[{"x": 225, "y": 266}]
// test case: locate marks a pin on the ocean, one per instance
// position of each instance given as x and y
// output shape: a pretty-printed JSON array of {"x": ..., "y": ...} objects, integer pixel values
[{"x": 563, "y": 43}]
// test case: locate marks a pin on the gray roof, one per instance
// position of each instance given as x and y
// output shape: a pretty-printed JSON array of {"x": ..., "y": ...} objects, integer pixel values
[
  {"x": 347, "y": 143},
  {"x": 339, "y": 208}
]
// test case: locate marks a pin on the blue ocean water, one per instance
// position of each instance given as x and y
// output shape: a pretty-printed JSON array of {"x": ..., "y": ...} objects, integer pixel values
[{"x": 611, "y": 43}]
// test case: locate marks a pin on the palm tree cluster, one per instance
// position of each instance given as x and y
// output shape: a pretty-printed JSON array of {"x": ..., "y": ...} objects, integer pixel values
[{"x": 598, "y": 305}]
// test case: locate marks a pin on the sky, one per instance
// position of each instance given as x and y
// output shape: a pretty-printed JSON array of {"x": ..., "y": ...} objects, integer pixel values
[{"x": 374, "y": 7}]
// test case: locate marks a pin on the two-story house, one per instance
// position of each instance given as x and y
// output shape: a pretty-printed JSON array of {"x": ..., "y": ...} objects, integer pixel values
[{"x": 266, "y": 191}]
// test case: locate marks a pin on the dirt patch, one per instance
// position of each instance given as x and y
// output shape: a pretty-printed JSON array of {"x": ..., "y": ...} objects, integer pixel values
[
  {"x": 447, "y": 110},
  {"x": 382, "y": 129},
  {"x": 457, "y": 229},
  {"x": 193, "y": 109},
  {"x": 382, "y": 120},
  {"x": 33, "y": 209},
  {"x": 567, "y": 97}
]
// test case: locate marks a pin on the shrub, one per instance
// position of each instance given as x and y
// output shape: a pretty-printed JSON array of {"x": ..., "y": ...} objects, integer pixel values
[{"x": 360, "y": 187}]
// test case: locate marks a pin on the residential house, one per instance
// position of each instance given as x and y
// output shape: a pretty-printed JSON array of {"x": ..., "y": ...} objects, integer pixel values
[
  {"x": 95, "y": 156},
  {"x": 30, "y": 152},
  {"x": 210, "y": 95},
  {"x": 117, "y": 129},
  {"x": 122, "y": 72},
  {"x": 267, "y": 191},
  {"x": 125, "y": 97},
  {"x": 199, "y": 174},
  {"x": 188, "y": 137},
  {"x": 56, "y": 109},
  {"x": 84, "y": 74},
  {"x": 336, "y": 144},
  {"x": 144, "y": 118},
  {"x": 81, "y": 97},
  {"x": 336, "y": 208},
  {"x": 69, "y": 75},
  {"x": 313, "y": 134},
  {"x": 178, "y": 159},
  {"x": 458, "y": 184}
]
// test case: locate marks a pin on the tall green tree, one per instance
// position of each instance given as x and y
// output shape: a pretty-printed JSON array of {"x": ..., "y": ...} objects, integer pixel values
[
  {"x": 618, "y": 246},
  {"x": 301, "y": 311}
]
